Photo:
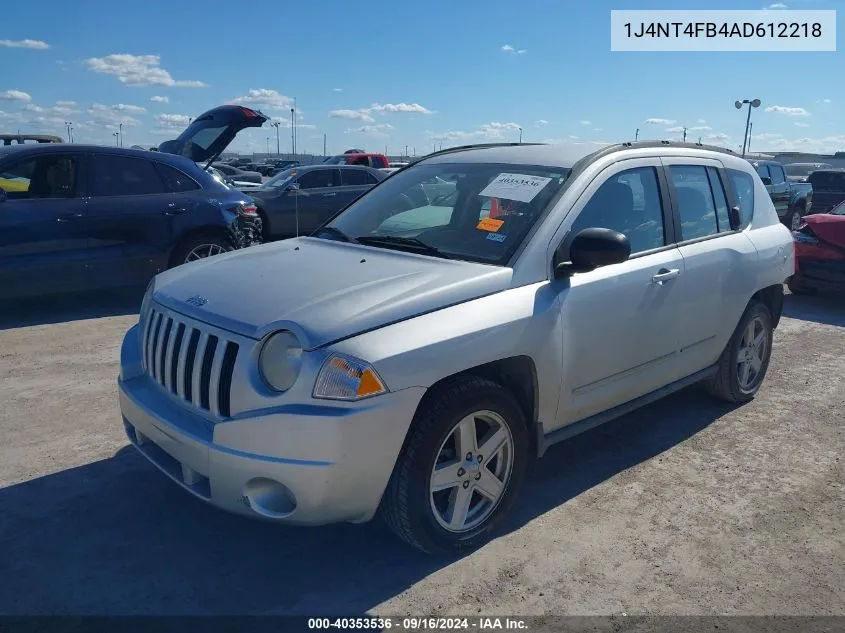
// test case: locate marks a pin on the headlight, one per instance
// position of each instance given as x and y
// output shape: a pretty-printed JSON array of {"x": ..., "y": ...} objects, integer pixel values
[
  {"x": 280, "y": 360},
  {"x": 345, "y": 378}
]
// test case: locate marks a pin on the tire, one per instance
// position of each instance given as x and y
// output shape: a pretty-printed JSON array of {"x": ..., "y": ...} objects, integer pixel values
[
  {"x": 794, "y": 221},
  {"x": 728, "y": 382},
  {"x": 796, "y": 288},
  {"x": 192, "y": 249},
  {"x": 420, "y": 516}
]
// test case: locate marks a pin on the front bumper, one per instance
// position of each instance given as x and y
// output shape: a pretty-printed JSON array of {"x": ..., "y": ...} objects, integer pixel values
[
  {"x": 320, "y": 462},
  {"x": 822, "y": 274}
]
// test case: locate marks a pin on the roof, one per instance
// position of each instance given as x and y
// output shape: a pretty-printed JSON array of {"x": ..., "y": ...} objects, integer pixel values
[{"x": 64, "y": 148}]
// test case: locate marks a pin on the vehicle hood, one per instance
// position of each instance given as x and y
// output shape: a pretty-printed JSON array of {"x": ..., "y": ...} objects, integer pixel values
[
  {"x": 322, "y": 290},
  {"x": 828, "y": 227}
]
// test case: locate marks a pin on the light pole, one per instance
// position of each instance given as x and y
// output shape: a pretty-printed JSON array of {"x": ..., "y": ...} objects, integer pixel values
[
  {"x": 276, "y": 125},
  {"x": 292, "y": 140},
  {"x": 71, "y": 134},
  {"x": 685, "y": 135},
  {"x": 752, "y": 103},
  {"x": 637, "y": 135},
  {"x": 67, "y": 125},
  {"x": 116, "y": 136},
  {"x": 750, "y": 130},
  {"x": 268, "y": 146},
  {"x": 120, "y": 132},
  {"x": 520, "y": 135}
]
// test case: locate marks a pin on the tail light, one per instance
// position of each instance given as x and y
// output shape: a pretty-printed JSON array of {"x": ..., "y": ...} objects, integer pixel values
[
  {"x": 250, "y": 114},
  {"x": 248, "y": 208}
]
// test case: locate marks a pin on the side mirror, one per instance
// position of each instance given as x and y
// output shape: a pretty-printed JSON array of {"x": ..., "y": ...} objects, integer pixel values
[
  {"x": 593, "y": 248},
  {"x": 292, "y": 187},
  {"x": 3, "y": 195},
  {"x": 766, "y": 180}
]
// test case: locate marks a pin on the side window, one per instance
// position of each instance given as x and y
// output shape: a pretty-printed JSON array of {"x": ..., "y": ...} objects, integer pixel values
[
  {"x": 723, "y": 218},
  {"x": 743, "y": 185},
  {"x": 778, "y": 177},
  {"x": 317, "y": 179},
  {"x": 124, "y": 176},
  {"x": 695, "y": 201},
  {"x": 763, "y": 171},
  {"x": 350, "y": 177},
  {"x": 42, "y": 177},
  {"x": 175, "y": 180},
  {"x": 378, "y": 162},
  {"x": 628, "y": 202},
  {"x": 372, "y": 180}
]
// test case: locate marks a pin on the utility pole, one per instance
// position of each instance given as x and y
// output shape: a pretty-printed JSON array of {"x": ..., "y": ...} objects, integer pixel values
[
  {"x": 121, "y": 134},
  {"x": 276, "y": 124},
  {"x": 636, "y": 135},
  {"x": 750, "y": 129},
  {"x": 67, "y": 125},
  {"x": 116, "y": 136},
  {"x": 292, "y": 142},
  {"x": 685, "y": 135},
  {"x": 295, "y": 139},
  {"x": 520, "y": 135},
  {"x": 324, "y": 144},
  {"x": 406, "y": 151}
]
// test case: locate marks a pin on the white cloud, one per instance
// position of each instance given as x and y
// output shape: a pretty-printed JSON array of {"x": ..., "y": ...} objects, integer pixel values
[
  {"x": 718, "y": 136},
  {"x": 337, "y": 89},
  {"x": 521, "y": 51},
  {"x": 660, "y": 121},
  {"x": 415, "y": 108},
  {"x": 585, "y": 122},
  {"x": 265, "y": 97},
  {"x": 788, "y": 111},
  {"x": 67, "y": 104},
  {"x": 799, "y": 124},
  {"x": 15, "y": 95},
  {"x": 172, "y": 120},
  {"x": 598, "y": 129},
  {"x": 540, "y": 123},
  {"x": 701, "y": 122},
  {"x": 109, "y": 117},
  {"x": 776, "y": 5},
  {"x": 351, "y": 115},
  {"x": 507, "y": 48},
  {"x": 822, "y": 145},
  {"x": 573, "y": 137},
  {"x": 132, "y": 109},
  {"x": 31, "y": 44},
  {"x": 824, "y": 101},
  {"x": 138, "y": 70},
  {"x": 493, "y": 130},
  {"x": 159, "y": 99},
  {"x": 700, "y": 128},
  {"x": 675, "y": 130},
  {"x": 379, "y": 129},
  {"x": 60, "y": 109}
]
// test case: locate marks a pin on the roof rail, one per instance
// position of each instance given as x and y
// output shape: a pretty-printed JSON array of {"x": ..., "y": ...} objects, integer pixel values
[{"x": 461, "y": 148}]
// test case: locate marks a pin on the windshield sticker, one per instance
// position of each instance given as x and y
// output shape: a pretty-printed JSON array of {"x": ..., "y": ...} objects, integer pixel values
[
  {"x": 496, "y": 237},
  {"x": 490, "y": 224},
  {"x": 519, "y": 187}
]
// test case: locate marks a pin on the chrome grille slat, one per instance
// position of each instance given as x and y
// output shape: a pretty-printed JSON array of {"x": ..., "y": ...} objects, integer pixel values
[
  {"x": 195, "y": 379},
  {"x": 189, "y": 360}
]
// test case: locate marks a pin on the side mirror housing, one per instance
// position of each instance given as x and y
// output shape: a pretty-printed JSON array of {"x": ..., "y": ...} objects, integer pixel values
[
  {"x": 766, "y": 180},
  {"x": 3, "y": 195},
  {"x": 591, "y": 249}
]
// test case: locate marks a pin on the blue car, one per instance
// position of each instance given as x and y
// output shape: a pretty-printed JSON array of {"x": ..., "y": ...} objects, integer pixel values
[{"x": 81, "y": 217}]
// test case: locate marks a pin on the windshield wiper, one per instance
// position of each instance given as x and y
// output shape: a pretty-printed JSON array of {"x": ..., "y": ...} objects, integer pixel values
[
  {"x": 336, "y": 232},
  {"x": 411, "y": 243}
]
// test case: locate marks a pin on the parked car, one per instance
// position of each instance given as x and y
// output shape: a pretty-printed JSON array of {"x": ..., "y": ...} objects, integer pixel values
[
  {"x": 820, "y": 253},
  {"x": 377, "y": 161},
  {"x": 238, "y": 174},
  {"x": 75, "y": 217},
  {"x": 798, "y": 172},
  {"x": 792, "y": 200},
  {"x": 26, "y": 139},
  {"x": 281, "y": 163},
  {"x": 418, "y": 370},
  {"x": 297, "y": 201},
  {"x": 828, "y": 189}
]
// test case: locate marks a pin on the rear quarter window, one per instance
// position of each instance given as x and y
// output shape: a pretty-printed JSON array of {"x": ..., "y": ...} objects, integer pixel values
[{"x": 743, "y": 185}]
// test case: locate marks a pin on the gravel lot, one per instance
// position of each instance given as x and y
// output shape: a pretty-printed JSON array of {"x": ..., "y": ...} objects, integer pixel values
[{"x": 685, "y": 507}]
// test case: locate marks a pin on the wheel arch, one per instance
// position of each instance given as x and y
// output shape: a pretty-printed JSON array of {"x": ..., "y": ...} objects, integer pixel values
[{"x": 772, "y": 298}]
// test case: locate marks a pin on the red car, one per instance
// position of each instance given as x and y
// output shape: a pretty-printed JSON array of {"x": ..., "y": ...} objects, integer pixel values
[{"x": 820, "y": 253}]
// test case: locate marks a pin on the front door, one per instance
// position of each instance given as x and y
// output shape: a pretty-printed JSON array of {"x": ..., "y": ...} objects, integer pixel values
[
  {"x": 780, "y": 190},
  {"x": 620, "y": 322},
  {"x": 319, "y": 198},
  {"x": 43, "y": 247}
]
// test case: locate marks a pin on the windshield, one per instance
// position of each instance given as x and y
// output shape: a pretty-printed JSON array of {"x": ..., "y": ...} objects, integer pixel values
[
  {"x": 279, "y": 179},
  {"x": 335, "y": 160},
  {"x": 474, "y": 212}
]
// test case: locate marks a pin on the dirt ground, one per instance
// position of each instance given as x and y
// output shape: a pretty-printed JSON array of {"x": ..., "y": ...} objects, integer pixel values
[{"x": 685, "y": 507}]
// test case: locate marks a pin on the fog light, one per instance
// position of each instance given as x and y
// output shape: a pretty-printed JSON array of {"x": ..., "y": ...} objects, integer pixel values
[{"x": 269, "y": 498}]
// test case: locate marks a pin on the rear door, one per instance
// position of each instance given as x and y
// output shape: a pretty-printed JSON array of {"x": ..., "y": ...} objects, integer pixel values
[
  {"x": 353, "y": 184},
  {"x": 828, "y": 189},
  {"x": 43, "y": 246},
  {"x": 320, "y": 197},
  {"x": 780, "y": 190},
  {"x": 130, "y": 219}
]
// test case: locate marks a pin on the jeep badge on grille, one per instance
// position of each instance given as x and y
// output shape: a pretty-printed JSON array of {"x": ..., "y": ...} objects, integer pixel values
[{"x": 196, "y": 300}]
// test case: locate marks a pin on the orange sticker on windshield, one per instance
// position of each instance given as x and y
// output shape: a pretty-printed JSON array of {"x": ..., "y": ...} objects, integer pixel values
[{"x": 490, "y": 224}]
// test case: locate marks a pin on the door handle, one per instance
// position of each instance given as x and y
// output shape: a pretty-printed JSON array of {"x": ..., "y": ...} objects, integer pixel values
[
  {"x": 664, "y": 274},
  {"x": 68, "y": 217},
  {"x": 172, "y": 209},
  {"x": 329, "y": 195}
]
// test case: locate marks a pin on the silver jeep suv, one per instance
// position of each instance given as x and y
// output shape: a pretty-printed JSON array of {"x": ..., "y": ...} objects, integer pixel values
[{"x": 472, "y": 309}]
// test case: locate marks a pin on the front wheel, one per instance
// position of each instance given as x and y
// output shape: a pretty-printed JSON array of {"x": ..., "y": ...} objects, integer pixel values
[
  {"x": 460, "y": 469},
  {"x": 744, "y": 362},
  {"x": 795, "y": 220}
]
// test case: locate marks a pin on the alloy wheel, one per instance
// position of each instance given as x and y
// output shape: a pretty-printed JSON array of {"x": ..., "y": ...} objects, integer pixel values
[
  {"x": 752, "y": 353},
  {"x": 795, "y": 222},
  {"x": 471, "y": 471},
  {"x": 204, "y": 250}
]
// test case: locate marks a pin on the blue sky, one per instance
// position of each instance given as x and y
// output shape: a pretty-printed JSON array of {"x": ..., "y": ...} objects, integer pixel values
[{"x": 399, "y": 73}]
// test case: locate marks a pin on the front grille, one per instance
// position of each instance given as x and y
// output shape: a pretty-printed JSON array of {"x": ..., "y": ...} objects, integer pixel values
[{"x": 190, "y": 363}]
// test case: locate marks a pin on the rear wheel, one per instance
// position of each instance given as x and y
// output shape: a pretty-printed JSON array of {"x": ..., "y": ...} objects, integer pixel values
[
  {"x": 199, "y": 247},
  {"x": 460, "y": 469},
  {"x": 795, "y": 220},
  {"x": 743, "y": 364}
]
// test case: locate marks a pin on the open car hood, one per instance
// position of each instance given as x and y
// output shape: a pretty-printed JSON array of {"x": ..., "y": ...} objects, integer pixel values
[
  {"x": 828, "y": 227},
  {"x": 210, "y": 133}
]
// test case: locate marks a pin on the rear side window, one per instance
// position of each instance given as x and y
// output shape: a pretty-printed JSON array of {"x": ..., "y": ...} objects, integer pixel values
[
  {"x": 827, "y": 180},
  {"x": 694, "y": 199},
  {"x": 350, "y": 177},
  {"x": 317, "y": 179},
  {"x": 124, "y": 176},
  {"x": 379, "y": 162},
  {"x": 720, "y": 199},
  {"x": 175, "y": 180},
  {"x": 778, "y": 177},
  {"x": 763, "y": 171},
  {"x": 743, "y": 185}
]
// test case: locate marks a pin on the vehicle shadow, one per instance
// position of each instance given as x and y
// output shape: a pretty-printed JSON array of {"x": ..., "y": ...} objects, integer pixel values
[
  {"x": 826, "y": 309},
  {"x": 117, "y": 537},
  {"x": 62, "y": 308}
]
